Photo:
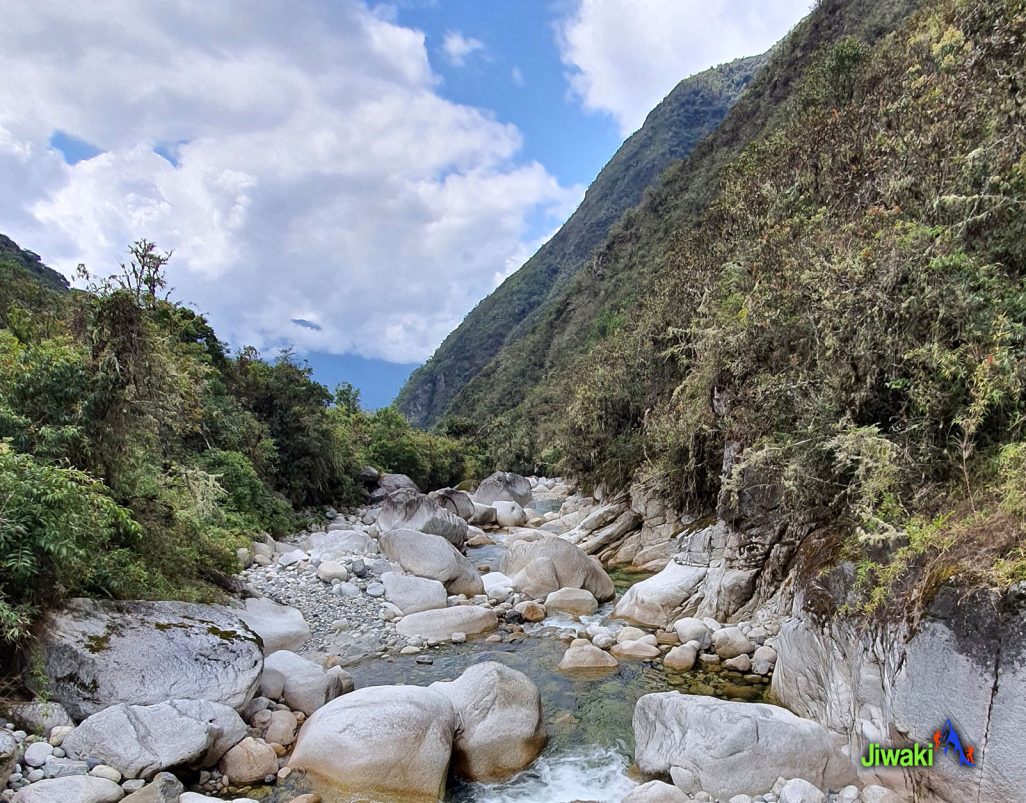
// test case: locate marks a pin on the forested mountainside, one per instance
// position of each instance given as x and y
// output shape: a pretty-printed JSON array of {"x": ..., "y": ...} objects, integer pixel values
[
  {"x": 690, "y": 112},
  {"x": 831, "y": 284},
  {"x": 137, "y": 453}
]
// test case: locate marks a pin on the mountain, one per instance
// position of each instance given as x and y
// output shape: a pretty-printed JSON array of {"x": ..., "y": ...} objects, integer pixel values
[
  {"x": 12, "y": 253},
  {"x": 691, "y": 111}
]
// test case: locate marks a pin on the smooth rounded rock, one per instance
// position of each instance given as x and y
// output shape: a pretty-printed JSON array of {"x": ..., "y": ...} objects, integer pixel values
[
  {"x": 442, "y": 623},
  {"x": 574, "y": 601},
  {"x": 73, "y": 789},
  {"x": 586, "y": 656},
  {"x": 250, "y": 761}
]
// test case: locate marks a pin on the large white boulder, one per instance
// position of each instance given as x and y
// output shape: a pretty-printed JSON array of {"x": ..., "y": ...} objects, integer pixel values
[
  {"x": 280, "y": 627},
  {"x": 509, "y": 514},
  {"x": 381, "y": 742},
  {"x": 574, "y": 601},
  {"x": 411, "y": 594},
  {"x": 339, "y": 543},
  {"x": 300, "y": 683},
  {"x": 727, "y": 748},
  {"x": 141, "y": 740},
  {"x": 442, "y": 623},
  {"x": 541, "y": 564},
  {"x": 586, "y": 657},
  {"x": 100, "y": 653},
  {"x": 77, "y": 788},
  {"x": 504, "y": 486},
  {"x": 502, "y": 728},
  {"x": 431, "y": 556},
  {"x": 663, "y": 598},
  {"x": 410, "y": 510}
]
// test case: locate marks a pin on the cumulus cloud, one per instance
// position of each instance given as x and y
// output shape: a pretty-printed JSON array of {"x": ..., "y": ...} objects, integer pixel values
[
  {"x": 624, "y": 56},
  {"x": 316, "y": 177},
  {"x": 457, "y": 47}
]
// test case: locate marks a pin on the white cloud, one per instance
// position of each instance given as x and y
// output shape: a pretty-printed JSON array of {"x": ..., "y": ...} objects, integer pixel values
[
  {"x": 320, "y": 175},
  {"x": 624, "y": 56},
  {"x": 517, "y": 76},
  {"x": 457, "y": 47}
]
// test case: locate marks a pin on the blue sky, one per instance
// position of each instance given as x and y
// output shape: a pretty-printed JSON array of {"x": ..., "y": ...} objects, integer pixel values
[{"x": 347, "y": 178}]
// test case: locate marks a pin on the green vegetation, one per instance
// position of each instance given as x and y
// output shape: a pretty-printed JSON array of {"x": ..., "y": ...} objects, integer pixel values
[
  {"x": 137, "y": 454},
  {"x": 691, "y": 111}
]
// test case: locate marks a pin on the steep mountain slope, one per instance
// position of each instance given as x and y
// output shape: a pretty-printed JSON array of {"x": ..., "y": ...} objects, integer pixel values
[
  {"x": 693, "y": 109},
  {"x": 12, "y": 253}
]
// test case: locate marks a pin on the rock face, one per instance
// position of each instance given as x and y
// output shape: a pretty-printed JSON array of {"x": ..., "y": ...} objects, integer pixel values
[
  {"x": 350, "y": 745},
  {"x": 502, "y": 729},
  {"x": 727, "y": 748},
  {"x": 431, "y": 556},
  {"x": 302, "y": 684},
  {"x": 279, "y": 626},
  {"x": 80, "y": 789},
  {"x": 545, "y": 564},
  {"x": 412, "y": 594},
  {"x": 411, "y": 510},
  {"x": 442, "y": 623},
  {"x": 456, "y": 502},
  {"x": 140, "y": 741},
  {"x": 101, "y": 653},
  {"x": 504, "y": 486}
]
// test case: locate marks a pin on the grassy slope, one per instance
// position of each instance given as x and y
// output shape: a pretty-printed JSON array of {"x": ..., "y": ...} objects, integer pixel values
[{"x": 692, "y": 110}]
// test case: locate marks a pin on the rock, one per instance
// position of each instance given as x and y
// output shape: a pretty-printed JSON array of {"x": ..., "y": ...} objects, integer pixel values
[
  {"x": 586, "y": 656},
  {"x": 337, "y": 544},
  {"x": 764, "y": 659},
  {"x": 730, "y": 642},
  {"x": 164, "y": 788},
  {"x": 681, "y": 658},
  {"x": 330, "y": 570},
  {"x": 279, "y": 626},
  {"x": 37, "y": 717},
  {"x": 492, "y": 581},
  {"x": 431, "y": 556},
  {"x": 872, "y": 793},
  {"x": 9, "y": 753},
  {"x": 389, "y": 483},
  {"x": 77, "y": 789},
  {"x": 292, "y": 557},
  {"x": 100, "y": 653},
  {"x": 503, "y": 486},
  {"x": 662, "y": 598},
  {"x": 546, "y": 563},
  {"x": 282, "y": 728},
  {"x": 406, "y": 509},
  {"x": 530, "y": 610},
  {"x": 630, "y": 634},
  {"x": 692, "y": 629},
  {"x": 656, "y": 792},
  {"x": 798, "y": 790},
  {"x": 442, "y": 623},
  {"x": 140, "y": 741},
  {"x": 575, "y": 601},
  {"x": 250, "y": 761},
  {"x": 502, "y": 729},
  {"x": 106, "y": 771},
  {"x": 412, "y": 594},
  {"x": 726, "y": 748},
  {"x": 483, "y": 515},
  {"x": 509, "y": 514},
  {"x": 635, "y": 649},
  {"x": 349, "y": 747},
  {"x": 302, "y": 684},
  {"x": 742, "y": 663},
  {"x": 37, "y": 753},
  {"x": 456, "y": 502}
]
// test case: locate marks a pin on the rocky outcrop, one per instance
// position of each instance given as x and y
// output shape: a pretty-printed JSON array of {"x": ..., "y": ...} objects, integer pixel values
[
  {"x": 100, "y": 653},
  {"x": 407, "y": 509},
  {"x": 540, "y": 565},
  {"x": 727, "y": 748},
  {"x": 504, "y": 486},
  {"x": 433, "y": 557}
]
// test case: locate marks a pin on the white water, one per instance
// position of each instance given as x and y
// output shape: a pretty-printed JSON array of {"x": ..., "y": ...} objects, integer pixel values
[{"x": 593, "y": 775}]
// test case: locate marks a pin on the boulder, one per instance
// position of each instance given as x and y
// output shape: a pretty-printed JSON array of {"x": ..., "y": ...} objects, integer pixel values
[
  {"x": 300, "y": 683},
  {"x": 37, "y": 717},
  {"x": 662, "y": 598},
  {"x": 730, "y": 642},
  {"x": 164, "y": 788},
  {"x": 635, "y": 649},
  {"x": 798, "y": 790},
  {"x": 9, "y": 753},
  {"x": 431, "y": 556},
  {"x": 728, "y": 748},
  {"x": 390, "y": 483},
  {"x": 350, "y": 746},
  {"x": 412, "y": 594},
  {"x": 681, "y": 658},
  {"x": 574, "y": 601},
  {"x": 504, "y": 486},
  {"x": 411, "y": 510},
  {"x": 586, "y": 656},
  {"x": 656, "y": 792},
  {"x": 250, "y": 761},
  {"x": 692, "y": 629},
  {"x": 543, "y": 564},
  {"x": 509, "y": 514},
  {"x": 339, "y": 543},
  {"x": 502, "y": 729},
  {"x": 279, "y": 626},
  {"x": 530, "y": 610},
  {"x": 456, "y": 502},
  {"x": 98, "y": 653},
  {"x": 77, "y": 788},
  {"x": 282, "y": 728},
  {"x": 442, "y": 623},
  {"x": 483, "y": 514},
  {"x": 332, "y": 570},
  {"x": 140, "y": 741}
]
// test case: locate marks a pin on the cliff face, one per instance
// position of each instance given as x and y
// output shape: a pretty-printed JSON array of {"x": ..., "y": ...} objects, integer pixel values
[
  {"x": 690, "y": 112},
  {"x": 30, "y": 263}
]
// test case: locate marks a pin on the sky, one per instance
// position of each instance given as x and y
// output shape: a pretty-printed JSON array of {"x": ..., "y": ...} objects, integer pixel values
[{"x": 344, "y": 177}]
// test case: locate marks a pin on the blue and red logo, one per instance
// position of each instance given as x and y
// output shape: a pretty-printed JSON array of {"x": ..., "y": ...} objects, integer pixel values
[{"x": 948, "y": 739}]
